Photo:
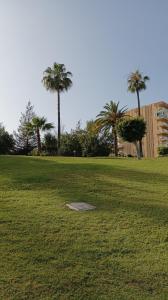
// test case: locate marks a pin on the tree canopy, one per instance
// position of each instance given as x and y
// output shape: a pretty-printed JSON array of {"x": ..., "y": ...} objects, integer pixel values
[
  {"x": 132, "y": 130},
  {"x": 57, "y": 78},
  {"x": 137, "y": 82}
]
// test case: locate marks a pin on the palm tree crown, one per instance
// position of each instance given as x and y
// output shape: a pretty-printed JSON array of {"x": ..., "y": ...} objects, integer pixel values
[
  {"x": 57, "y": 78},
  {"x": 41, "y": 124},
  {"x": 110, "y": 115},
  {"x": 137, "y": 82},
  {"x": 107, "y": 119}
]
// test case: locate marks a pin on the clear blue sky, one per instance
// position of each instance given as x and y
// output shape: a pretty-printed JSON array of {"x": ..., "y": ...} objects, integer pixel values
[{"x": 99, "y": 41}]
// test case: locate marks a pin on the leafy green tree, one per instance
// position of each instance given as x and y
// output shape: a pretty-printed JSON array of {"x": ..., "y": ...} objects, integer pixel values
[
  {"x": 6, "y": 141},
  {"x": 71, "y": 144},
  {"x": 94, "y": 141},
  {"x": 37, "y": 125},
  {"x": 108, "y": 118},
  {"x": 137, "y": 83},
  {"x": 25, "y": 139},
  {"x": 94, "y": 145},
  {"x": 57, "y": 79},
  {"x": 132, "y": 130},
  {"x": 50, "y": 144},
  {"x": 92, "y": 128}
]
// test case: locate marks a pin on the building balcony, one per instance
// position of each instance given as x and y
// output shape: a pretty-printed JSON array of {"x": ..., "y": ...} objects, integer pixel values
[
  {"x": 163, "y": 138},
  {"x": 163, "y": 125},
  {"x": 162, "y": 133},
  {"x": 162, "y": 118}
]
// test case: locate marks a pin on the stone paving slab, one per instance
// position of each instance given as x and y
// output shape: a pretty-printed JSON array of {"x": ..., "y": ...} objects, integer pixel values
[{"x": 80, "y": 206}]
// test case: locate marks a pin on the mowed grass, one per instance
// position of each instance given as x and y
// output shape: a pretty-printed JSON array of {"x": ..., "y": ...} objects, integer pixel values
[{"x": 119, "y": 251}]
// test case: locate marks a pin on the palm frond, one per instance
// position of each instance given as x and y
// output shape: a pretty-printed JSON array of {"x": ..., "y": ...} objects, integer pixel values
[
  {"x": 108, "y": 117},
  {"x": 47, "y": 126}
]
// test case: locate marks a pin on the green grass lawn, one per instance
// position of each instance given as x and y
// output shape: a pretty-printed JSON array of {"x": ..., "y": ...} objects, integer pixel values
[{"x": 119, "y": 251}]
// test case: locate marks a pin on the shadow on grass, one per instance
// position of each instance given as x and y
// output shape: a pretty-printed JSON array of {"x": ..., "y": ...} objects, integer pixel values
[{"x": 109, "y": 187}]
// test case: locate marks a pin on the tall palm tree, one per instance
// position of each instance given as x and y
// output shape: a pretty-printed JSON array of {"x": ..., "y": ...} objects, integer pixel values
[
  {"x": 137, "y": 83},
  {"x": 108, "y": 118},
  {"x": 37, "y": 125},
  {"x": 57, "y": 79}
]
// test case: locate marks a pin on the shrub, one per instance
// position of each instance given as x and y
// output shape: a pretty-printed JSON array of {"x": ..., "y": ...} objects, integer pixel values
[
  {"x": 162, "y": 150},
  {"x": 49, "y": 145},
  {"x": 132, "y": 130},
  {"x": 129, "y": 155}
]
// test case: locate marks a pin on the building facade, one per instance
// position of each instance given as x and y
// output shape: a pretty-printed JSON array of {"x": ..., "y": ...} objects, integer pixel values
[{"x": 156, "y": 117}]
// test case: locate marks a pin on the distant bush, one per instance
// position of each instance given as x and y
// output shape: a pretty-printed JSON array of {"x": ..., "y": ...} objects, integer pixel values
[
  {"x": 163, "y": 150},
  {"x": 71, "y": 144}
]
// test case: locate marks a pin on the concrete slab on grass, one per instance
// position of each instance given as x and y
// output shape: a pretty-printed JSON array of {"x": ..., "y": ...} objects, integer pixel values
[{"x": 80, "y": 206}]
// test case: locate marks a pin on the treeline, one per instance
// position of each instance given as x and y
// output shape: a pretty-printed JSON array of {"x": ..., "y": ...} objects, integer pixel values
[
  {"x": 99, "y": 137},
  {"x": 34, "y": 137},
  {"x": 58, "y": 80}
]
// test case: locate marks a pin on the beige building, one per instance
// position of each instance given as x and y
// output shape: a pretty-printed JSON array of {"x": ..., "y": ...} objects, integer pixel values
[{"x": 156, "y": 117}]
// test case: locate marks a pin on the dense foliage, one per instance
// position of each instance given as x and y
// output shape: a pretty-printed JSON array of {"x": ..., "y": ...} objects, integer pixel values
[
  {"x": 71, "y": 144},
  {"x": 132, "y": 130},
  {"x": 85, "y": 142},
  {"x": 49, "y": 145},
  {"x": 163, "y": 150},
  {"x": 6, "y": 141}
]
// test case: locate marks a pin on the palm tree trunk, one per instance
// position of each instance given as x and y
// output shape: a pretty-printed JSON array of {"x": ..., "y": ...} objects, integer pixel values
[
  {"x": 139, "y": 107},
  {"x": 138, "y": 150},
  {"x": 115, "y": 142},
  {"x": 139, "y": 114},
  {"x": 59, "y": 123},
  {"x": 38, "y": 141}
]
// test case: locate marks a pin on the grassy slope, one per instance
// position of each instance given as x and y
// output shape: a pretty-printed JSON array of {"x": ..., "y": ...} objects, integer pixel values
[{"x": 118, "y": 251}]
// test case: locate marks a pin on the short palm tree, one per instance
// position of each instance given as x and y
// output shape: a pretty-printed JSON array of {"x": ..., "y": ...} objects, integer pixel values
[
  {"x": 37, "y": 125},
  {"x": 137, "y": 83},
  {"x": 57, "y": 79},
  {"x": 108, "y": 118}
]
